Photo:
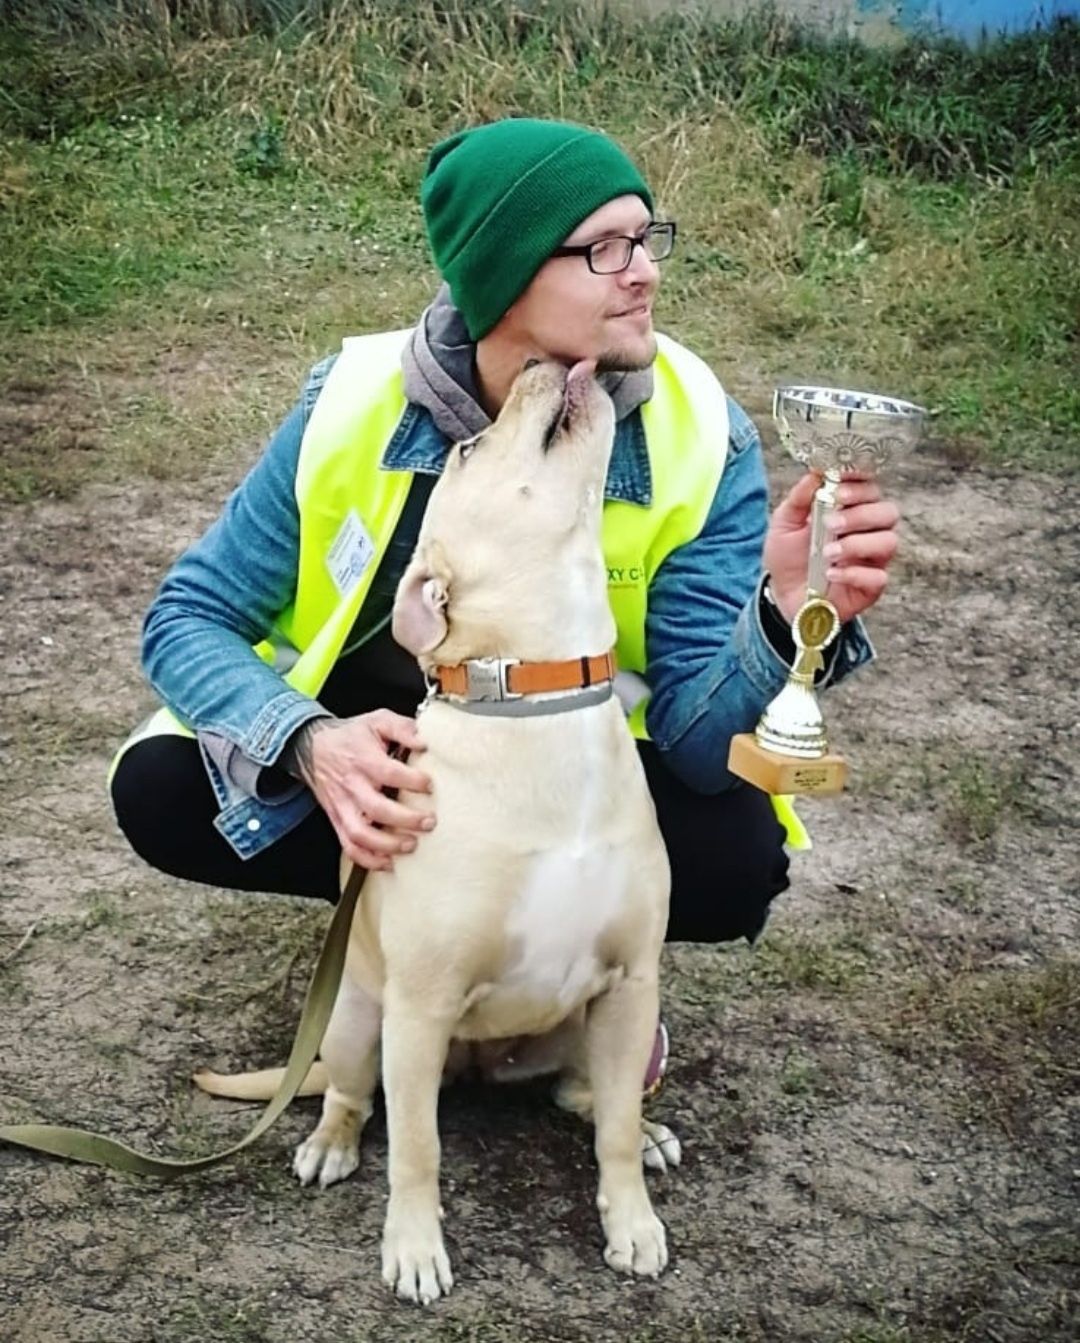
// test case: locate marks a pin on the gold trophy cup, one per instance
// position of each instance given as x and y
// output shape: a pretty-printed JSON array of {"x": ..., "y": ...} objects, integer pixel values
[{"x": 832, "y": 432}]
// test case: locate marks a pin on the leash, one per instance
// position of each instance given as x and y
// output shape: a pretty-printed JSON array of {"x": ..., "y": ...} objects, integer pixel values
[{"x": 94, "y": 1148}]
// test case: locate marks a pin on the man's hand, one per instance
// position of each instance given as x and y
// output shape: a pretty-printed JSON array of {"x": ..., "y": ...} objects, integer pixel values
[
  {"x": 346, "y": 764},
  {"x": 861, "y": 541}
]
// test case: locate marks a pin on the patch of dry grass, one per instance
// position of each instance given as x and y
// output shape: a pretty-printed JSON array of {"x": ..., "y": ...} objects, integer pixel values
[{"x": 1013, "y": 1032}]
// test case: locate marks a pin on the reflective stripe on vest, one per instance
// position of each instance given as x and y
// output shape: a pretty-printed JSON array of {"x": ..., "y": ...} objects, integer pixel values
[{"x": 350, "y": 507}]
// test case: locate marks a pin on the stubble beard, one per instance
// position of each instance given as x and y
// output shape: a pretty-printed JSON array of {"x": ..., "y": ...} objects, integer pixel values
[{"x": 626, "y": 361}]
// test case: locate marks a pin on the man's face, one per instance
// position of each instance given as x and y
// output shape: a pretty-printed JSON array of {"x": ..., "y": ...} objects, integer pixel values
[{"x": 568, "y": 313}]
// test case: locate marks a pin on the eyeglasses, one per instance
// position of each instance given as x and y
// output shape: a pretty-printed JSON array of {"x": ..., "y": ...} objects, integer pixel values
[{"x": 608, "y": 256}]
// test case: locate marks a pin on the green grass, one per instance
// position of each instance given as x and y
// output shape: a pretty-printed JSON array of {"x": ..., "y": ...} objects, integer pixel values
[
  {"x": 832, "y": 964},
  {"x": 981, "y": 794},
  {"x": 231, "y": 194}
]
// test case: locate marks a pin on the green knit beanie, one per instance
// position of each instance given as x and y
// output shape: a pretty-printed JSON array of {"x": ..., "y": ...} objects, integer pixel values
[{"x": 498, "y": 200}]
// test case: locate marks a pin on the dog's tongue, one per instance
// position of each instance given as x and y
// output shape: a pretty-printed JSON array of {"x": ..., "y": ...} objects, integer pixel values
[
  {"x": 584, "y": 368},
  {"x": 576, "y": 381}
]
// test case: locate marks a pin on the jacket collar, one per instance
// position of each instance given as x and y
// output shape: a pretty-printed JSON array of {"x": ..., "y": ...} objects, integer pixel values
[{"x": 417, "y": 445}]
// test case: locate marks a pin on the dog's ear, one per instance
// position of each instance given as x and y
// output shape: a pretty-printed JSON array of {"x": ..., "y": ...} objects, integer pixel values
[{"x": 419, "y": 622}]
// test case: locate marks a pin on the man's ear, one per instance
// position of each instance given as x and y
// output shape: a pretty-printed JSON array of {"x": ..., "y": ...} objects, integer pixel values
[{"x": 419, "y": 621}]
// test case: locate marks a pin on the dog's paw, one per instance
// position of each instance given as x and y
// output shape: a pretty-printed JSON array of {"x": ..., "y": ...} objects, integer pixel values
[
  {"x": 330, "y": 1160},
  {"x": 635, "y": 1236},
  {"x": 660, "y": 1149},
  {"x": 636, "y": 1245},
  {"x": 415, "y": 1264}
]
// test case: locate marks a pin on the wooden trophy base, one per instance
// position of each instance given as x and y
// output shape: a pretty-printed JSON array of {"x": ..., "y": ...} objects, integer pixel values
[{"x": 777, "y": 774}]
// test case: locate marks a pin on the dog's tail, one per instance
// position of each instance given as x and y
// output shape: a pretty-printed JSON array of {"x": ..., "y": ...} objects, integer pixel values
[{"x": 260, "y": 1085}]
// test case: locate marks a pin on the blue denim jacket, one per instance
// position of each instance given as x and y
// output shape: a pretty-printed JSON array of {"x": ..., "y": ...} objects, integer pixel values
[{"x": 711, "y": 667}]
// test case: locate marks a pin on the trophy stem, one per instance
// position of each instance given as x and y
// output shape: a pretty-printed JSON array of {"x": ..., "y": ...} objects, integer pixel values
[{"x": 824, "y": 503}]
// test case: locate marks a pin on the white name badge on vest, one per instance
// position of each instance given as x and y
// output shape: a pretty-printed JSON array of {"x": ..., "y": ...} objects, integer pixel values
[{"x": 351, "y": 553}]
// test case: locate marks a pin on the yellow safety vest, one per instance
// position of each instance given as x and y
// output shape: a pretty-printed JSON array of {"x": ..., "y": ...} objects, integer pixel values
[{"x": 342, "y": 494}]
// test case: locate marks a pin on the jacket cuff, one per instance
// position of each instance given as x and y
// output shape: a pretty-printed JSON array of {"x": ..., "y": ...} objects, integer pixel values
[
  {"x": 238, "y": 773},
  {"x": 850, "y": 650},
  {"x": 761, "y": 662},
  {"x": 275, "y": 723}
]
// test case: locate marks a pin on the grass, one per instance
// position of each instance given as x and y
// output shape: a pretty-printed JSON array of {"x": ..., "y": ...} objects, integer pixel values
[
  {"x": 833, "y": 965},
  {"x": 975, "y": 793},
  {"x": 191, "y": 213},
  {"x": 238, "y": 1319},
  {"x": 980, "y": 794},
  {"x": 1011, "y": 1031}
]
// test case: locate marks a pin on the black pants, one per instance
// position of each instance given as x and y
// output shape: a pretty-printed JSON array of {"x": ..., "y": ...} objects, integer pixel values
[{"x": 726, "y": 851}]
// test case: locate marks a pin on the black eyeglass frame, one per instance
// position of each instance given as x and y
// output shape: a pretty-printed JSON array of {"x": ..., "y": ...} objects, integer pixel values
[{"x": 657, "y": 229}]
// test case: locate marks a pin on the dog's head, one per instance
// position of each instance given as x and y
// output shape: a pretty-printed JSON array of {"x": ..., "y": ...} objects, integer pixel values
[{"x": 512, "y": 524}]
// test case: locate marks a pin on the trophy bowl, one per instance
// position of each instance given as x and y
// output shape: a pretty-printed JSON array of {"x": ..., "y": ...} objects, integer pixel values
[{"x": 835, "y": 431}]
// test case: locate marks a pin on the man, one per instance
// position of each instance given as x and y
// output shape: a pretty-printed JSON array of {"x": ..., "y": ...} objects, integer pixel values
[{"x": 546, "y": 237}]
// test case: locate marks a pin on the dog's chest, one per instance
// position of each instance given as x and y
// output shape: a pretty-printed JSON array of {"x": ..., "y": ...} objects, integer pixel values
[
  {"x": 568, "y": 875},
  {"x": 569, "y": 899},
  {"x": 553, "y": 941}
]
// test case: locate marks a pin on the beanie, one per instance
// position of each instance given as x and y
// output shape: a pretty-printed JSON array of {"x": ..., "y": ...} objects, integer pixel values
[{"x": 498, "y": 199}]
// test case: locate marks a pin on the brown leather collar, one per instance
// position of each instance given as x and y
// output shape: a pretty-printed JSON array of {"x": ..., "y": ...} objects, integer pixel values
[{"x": 495, "y": 679}]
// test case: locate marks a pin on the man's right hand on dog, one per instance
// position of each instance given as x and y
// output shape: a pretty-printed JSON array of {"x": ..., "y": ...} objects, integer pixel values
[{"x": 347, "y": 764}]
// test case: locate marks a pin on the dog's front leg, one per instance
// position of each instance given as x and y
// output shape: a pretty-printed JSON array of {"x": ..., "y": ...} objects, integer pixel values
[
  {"x": 415, "y": 1045},
  {"x": 619, "y": 1035},
  {"x": 350, "y": 1050}
]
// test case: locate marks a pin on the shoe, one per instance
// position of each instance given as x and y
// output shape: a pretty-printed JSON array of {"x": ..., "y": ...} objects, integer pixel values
[{"x": 658, "y": 1061}]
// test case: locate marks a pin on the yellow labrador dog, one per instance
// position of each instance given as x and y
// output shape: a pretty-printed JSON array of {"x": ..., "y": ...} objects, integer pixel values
[{"x": 535, "y": 912}]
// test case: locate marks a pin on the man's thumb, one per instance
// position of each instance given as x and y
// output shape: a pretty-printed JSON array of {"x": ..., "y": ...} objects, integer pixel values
[{"x": 795, "y": 507}]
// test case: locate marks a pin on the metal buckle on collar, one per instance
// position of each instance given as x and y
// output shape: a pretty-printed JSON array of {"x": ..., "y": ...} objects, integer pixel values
[{"x": 486, "y": 678}]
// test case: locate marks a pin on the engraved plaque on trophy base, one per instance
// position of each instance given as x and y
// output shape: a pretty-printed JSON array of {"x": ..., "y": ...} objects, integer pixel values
[{"x": 776, "y": 774}]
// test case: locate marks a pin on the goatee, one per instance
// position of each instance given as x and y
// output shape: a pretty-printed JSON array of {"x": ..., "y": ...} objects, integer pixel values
[{"x": 622, "y": 361}]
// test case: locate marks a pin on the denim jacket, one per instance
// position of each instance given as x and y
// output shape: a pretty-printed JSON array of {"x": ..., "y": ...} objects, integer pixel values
[{"x": 714, "y": 659}]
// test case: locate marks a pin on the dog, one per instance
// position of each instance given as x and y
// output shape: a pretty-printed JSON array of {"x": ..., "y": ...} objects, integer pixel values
[{"x": 524, "y": 933}]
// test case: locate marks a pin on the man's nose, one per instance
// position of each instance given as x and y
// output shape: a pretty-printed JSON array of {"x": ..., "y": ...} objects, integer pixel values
[{"x": 642, "y": 269}]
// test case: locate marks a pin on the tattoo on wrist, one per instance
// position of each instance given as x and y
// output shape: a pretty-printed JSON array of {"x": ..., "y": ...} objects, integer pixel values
[{"x": 296, "y": 754}]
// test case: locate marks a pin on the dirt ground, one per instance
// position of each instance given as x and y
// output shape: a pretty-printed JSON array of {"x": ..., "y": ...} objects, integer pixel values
[{"x": 879, "y": 1105}]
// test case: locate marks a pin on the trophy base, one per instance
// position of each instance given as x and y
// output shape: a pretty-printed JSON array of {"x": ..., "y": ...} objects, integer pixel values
[{"x": 776, "y": 774}]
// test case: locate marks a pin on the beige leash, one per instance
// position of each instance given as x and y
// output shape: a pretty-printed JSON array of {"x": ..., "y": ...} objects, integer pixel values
[{"x": 81, "y": 1145}]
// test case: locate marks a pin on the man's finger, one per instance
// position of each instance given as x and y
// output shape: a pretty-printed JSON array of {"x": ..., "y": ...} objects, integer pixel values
[
  {"x": 874, "y": 517},
  {"x": 866, "y": 547},
  {"x": 361, "y": 834},
  {"x": 858, "y": 491},
  {"x": 395, "y": 727},
  {"x": 405, "y": 778},
  {"x": 793, "y": 509},
  {"x": 361, "y": 857},
  {"x": 865, "y": 578},
  {"x": 384, "y": 811},
  {"x": 386, "y": 772}
]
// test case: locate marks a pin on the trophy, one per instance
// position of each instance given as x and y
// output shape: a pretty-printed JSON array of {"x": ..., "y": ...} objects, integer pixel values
[{"x": 832, "y": 432}]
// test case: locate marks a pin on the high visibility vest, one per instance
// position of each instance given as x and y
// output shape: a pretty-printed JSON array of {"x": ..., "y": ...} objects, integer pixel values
[{"x": 349, "y": 509}]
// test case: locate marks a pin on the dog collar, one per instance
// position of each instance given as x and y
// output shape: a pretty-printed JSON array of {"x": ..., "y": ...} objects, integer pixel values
[{"x": 507, "y": 686}]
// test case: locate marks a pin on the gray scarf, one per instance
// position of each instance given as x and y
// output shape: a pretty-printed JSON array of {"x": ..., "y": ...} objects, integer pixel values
[{"x": 439, "y": 373}]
